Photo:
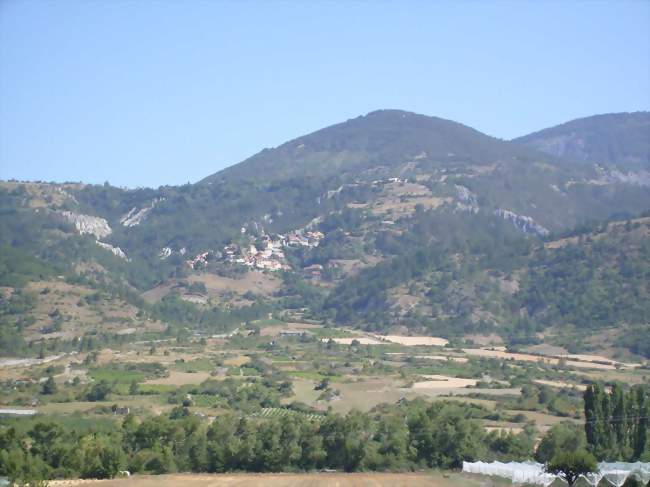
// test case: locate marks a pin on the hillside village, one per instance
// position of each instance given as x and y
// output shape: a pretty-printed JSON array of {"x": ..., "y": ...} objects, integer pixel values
[{"x": 264, "y": 253}]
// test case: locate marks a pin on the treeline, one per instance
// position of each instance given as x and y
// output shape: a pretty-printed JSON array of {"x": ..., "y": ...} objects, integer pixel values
[
  {"x": 617, "y": 422},
  {"x": 408, "y": 436},
  {"x": 176, "y": 311}
]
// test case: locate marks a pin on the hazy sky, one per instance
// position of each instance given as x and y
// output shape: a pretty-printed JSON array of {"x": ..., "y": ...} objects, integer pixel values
[{"x": 145, "y": 93}]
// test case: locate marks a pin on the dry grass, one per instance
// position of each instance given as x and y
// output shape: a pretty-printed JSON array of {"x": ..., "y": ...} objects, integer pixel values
[
  {"x": 399, "y": 199},
  {"x": 444, "y": 358},
  {"x": 524, "y": 357},
  {"x": 254, "y": 281},
  {"x": 303, "y": 391},
  {"x": 107, "y": 314},
  {"x": 275, "y": 330},
  {"x": 223, "y": 289},
  {"x": 237, "y": 361},
  {"x": 444, "y": 382},
  {"x": 560, "y": 384},
  {"x": 348, "y": 341},
  {"x": 365, "y": 394},
  {"x": 351, "y": 267},
  {"x": 563, "y": 242},
  {"x": 177, "y": 378},
  {"x": 431, "y": 479},
  {"x": 485, "y": 340},
  {"x": 414, "y": 341}
]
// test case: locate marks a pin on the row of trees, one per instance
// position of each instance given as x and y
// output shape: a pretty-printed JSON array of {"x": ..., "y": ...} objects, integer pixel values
[
  {"x": 400, "y": 437},
  {"x": 616, "y": 421},
  {"x": 411, "y": 435}
]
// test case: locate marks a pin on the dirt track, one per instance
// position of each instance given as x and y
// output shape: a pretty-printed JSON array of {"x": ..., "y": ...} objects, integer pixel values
[{"x": 280, "y": 480}]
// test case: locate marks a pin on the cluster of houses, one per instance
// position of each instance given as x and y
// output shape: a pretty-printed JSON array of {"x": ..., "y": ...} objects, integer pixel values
[
  {"x": 270, "y": 257},
  {"x": 381, "y": 182},
  {"x": 302, "y": 239},
  {"x": 265, "y": 253},
  {"x": 270, "y": 254}
]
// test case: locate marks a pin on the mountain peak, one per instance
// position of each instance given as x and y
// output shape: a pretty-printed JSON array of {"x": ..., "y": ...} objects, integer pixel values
[
  {"x": 387, "y": 138},
  {"x": 612, "y": 138}
]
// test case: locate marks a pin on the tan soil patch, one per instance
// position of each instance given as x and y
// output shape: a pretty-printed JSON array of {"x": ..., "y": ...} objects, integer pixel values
[
  {"x": 107, "y": 355},
  {"x": 546, "y": 349},
  {"x": 348, "y": 341},
  {"x": 523, "y": 357},
  {"x": 460, "y": 360},
  {"x": 107, "y": 314},
  {"x": 237, "y": 361},
  {"x": 544, "y": 421},
  {"x": 277, "y": 330},
  {"x": 254, "y": 281},
  {"x": 443, "y": 382},
  {"x": 177, "y": 378},
  {"x": 365, "y": 394},
  {"x": 484, "y": 340},
  {"x": 303, "y": 391},
  {"x": 560, "y": 384},
  {"x": 563, "y": 242},
  {"x": 283, "y": 480},
  {"x": 505, "y": 429},
  {"x": 157, "y": 293},
  {"x": 414, "y": 341},
  {"x": 350, "y": 267},
  {"x": 224, "y": 289},
  {"x": 404, "y": 300},
  {"x": 599, "y": 358},
  {"x": 401, "y": 199}
]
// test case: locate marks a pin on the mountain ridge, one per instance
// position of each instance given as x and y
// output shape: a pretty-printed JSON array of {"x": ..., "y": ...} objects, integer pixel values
[
  {"x": 391, "y": 135},
  {"x": 621, "y": 138}
]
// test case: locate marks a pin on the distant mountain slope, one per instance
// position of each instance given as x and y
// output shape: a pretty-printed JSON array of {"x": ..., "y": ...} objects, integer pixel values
[
  {"x": 620, "y": 139},
  {"x": 438, "y": 222},
  {"x": 385, "y": 166},
  {"x": 378, "y": 141}
]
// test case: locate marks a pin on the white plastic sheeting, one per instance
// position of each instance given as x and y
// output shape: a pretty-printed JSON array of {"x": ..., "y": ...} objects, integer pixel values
[
  {"x": 609, "y": 473},
  {"x": 617, "y": 472},
  {"x": 526, "y": 472}
]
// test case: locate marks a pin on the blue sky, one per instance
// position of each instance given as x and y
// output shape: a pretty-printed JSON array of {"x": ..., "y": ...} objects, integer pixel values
[{"x": 146, "y": 93}]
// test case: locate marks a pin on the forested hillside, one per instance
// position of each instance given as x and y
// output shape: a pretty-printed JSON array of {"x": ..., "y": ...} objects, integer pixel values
[{"x": 391, "y": 220}]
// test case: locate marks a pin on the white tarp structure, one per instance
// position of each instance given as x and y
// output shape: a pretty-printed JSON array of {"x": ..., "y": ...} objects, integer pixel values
[
  {"x": 609, "y": 473},
  {"x": 517, "y": 472}
]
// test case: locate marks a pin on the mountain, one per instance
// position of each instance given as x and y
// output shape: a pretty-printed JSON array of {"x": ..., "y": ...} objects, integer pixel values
[
  {"x": 616, "y": 139},
  {"x": 372, "y": 145},
  {"x": 391, "y": 220}
]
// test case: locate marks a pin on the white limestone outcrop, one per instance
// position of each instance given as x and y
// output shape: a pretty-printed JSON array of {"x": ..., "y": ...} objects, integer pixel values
[
  {"x": 115, "y": 250},
  {"x": 88, "y": 224},
  {"x": 135, "y": 216},
  {"x": 524, "y": 223}
]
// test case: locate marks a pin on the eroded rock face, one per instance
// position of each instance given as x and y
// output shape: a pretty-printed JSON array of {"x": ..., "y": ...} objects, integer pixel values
[
  {"x": 524, "y": 223},
  {"x": 87, "y": 224},
  {"x": 468, "y": 200},
  {"x": 638, "y": 178},
  {"x": 136, "y": 216},
  {"x": 115, "y": 250}
]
